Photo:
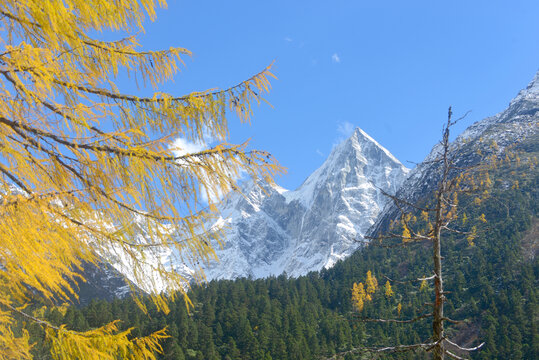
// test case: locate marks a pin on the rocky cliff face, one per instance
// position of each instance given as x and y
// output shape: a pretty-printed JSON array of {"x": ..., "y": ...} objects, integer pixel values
[{"x": 273, "y": 230}]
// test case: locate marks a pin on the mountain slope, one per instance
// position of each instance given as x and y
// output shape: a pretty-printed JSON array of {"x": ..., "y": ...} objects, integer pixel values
[{"x": 516, "y": 124}]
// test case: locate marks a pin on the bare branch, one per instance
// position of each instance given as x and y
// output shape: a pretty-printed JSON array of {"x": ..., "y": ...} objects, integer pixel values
[
  {"x": 445, "y": 227},
  {"x": 401, "y": 348},
  {"x": 398, "y": 200},
  {"x": 460, "y": 118},
  {"x": 396, "y": 321},
  {"x": 453, "y": 356},
  {"x": 409, "y": 281},
  {"x": 427, "y": 278},
  {"x": 463, "y": 348},
  {"x": 411, "y": 241},
  {"x": 396, "y": 281},
  {"x": 451, "y": 320}
]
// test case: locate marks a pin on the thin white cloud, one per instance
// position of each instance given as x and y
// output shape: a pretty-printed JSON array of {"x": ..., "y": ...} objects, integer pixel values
[
  {"x": 183, "y": 146},
  {"x": 288, "y": 39},
  {"x": 345, "y": 129},
  {"x": 320, "y": 153},
  {"x": 335, "y": 58}
]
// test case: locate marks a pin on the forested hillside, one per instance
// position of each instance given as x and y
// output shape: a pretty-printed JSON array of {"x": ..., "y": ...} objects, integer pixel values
[{"x": 492, "y": 284}]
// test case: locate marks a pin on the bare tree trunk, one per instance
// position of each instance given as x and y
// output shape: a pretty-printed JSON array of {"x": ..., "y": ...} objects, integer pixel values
[{"x": 438, "y": 310}]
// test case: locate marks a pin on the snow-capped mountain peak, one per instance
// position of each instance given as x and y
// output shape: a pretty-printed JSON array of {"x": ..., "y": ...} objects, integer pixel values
[
  {"x": 274, "y": 230},
  {"x": 357, "y": 151},
  {"x": 361, "y": 137}
]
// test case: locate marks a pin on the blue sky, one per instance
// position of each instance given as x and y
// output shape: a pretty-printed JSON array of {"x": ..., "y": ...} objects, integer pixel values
[{"x": 389, "y": 67}]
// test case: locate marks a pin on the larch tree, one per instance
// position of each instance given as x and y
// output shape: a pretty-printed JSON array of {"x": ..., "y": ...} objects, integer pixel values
[
  {"x": 358, "y": 296},
  {"x": 80, "y": 161}
]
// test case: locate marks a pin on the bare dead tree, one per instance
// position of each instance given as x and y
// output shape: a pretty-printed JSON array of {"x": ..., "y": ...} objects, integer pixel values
[{"x": 443, "y": 211}]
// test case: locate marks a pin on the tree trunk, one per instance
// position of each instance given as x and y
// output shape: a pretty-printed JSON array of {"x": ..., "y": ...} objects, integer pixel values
[{"x": 438, "y": 309}]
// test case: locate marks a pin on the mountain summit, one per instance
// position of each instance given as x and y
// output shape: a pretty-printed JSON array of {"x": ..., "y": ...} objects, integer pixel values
[
  {"x": 273, "y": 230},
  {"x": 530, "y": 93}
]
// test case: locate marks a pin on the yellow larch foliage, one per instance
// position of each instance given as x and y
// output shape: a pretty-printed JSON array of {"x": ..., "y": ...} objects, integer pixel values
[
  {"x": 493, "y": 161},
  {"x": 389, "y": 291},
  {"x": 104, "y": 343},
  {"x": 423, "y": 286},
  {"x": 455, "y": 199},
  {"x": 358, "y": 296},
  {"x": 488, "y": 182},
  {"x": 425, "y": 216},
  {"x": 371, "y": 283},
  {"x": 430, "y": 228},
  {"x": 406, "y": 236},
  {"x": 464, "y": 218},
  {"x": 80, "y": 161},
  {"x": 399, "y": 308},
  {"x": 452, "y": 213},
  {"x": 482, "y": 218},
  {"x": 471, "y": 236},
  {"x": 469, "y": 179}
]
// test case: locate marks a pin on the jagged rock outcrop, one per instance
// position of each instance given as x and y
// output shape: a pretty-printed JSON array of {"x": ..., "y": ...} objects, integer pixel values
[{"x": 273, "y": 230}]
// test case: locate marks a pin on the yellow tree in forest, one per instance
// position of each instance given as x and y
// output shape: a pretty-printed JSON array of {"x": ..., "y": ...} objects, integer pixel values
[
  {"x": 372, "y": 283},
  {"x": 358, "y": 296},
  {"x": 389, "y": 291},
  {"x": 80, "y": 160}
]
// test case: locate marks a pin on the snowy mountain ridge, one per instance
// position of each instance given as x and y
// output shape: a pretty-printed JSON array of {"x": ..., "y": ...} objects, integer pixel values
[
  {"x": 520, "y": 121},
  {"x": 274, "y": 230}
]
